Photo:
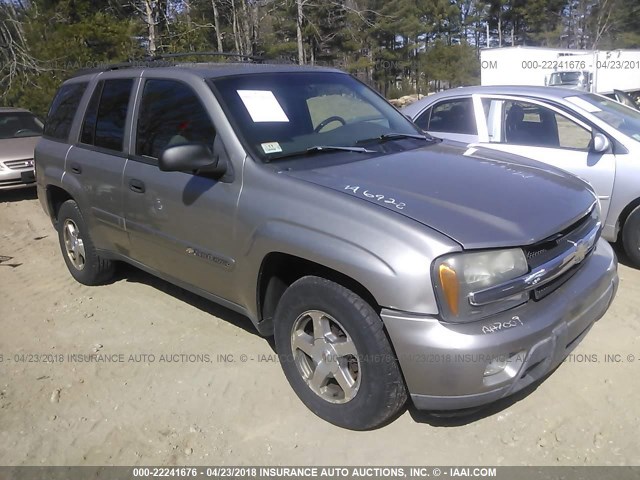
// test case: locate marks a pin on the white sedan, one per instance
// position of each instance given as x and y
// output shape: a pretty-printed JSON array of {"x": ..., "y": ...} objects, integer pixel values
[{"x": 590, "y": 135}]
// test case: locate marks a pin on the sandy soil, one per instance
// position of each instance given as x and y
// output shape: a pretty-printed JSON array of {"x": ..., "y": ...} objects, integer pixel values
[{"x": 193, "y": 411}]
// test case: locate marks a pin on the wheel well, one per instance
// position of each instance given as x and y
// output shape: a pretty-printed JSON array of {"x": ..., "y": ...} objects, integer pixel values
[
  {"x": 625, "y": 214},
  {"x": 279, "y": 270},
  {"x": 56, "y": 196}
]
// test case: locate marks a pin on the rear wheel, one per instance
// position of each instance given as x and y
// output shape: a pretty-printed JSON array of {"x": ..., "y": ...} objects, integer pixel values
[
  {"x": 631, "y": 237},
  {"x": 336, "y": 355},
  {"x": 84, "y": 264}
]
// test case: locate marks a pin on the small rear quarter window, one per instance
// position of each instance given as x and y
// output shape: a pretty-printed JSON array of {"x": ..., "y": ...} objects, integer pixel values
[{"x": 62, "y": 110}]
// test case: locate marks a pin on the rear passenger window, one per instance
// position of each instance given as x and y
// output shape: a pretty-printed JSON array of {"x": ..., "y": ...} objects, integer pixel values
[
  {"x": 106, "y": 114},
  {"x": 62, "y": 111},
  {"x": 171, "y": 114},
  {"x": 89, "y": 125}
]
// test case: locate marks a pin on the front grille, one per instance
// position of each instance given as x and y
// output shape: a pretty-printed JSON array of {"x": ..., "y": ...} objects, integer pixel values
[
  {"x": 19, "y": 164},
  {"x": 556, "y": 246},
  {"x": 534, "y": 254},
  {"x": 547, "y": 249},
  {"x": 553, "y": 285}
]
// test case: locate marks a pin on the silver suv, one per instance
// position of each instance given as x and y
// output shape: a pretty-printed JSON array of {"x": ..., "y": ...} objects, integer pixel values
[{"x": 386, "y": 263}]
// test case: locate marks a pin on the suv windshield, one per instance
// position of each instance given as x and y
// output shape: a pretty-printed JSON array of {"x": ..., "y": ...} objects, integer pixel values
[
  {"x": 288, "y": 114},
  {"x": 19, "y": 124},
  {"x": 621, "y": 117}
]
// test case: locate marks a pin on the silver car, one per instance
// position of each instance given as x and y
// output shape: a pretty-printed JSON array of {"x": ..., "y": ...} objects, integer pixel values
[
  {"x": 587, "y": 134},
  {"x": 385, "y": 263},
  {"x": 20, "y": 131}
]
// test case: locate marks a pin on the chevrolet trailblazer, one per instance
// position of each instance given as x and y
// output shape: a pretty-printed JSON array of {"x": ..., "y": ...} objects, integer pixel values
[{"x": 387, "y": 264}]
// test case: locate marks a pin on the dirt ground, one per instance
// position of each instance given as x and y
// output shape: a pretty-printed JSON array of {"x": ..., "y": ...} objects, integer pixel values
[{"x": 193, "y": 404}]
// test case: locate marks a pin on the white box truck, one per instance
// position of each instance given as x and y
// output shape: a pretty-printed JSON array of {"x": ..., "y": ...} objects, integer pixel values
[
  {"x": 603, "y": 71},
  {"x": 598, "y": 71},
  {"x": 522, "y": 65}
]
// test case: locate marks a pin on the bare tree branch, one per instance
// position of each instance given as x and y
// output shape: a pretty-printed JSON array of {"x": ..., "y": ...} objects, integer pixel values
[{"x": 15, "y": 57}]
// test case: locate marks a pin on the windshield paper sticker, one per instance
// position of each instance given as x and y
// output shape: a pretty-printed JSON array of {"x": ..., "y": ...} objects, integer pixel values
[
  {"x": 271, "y": 147},
  {"x": 583, "y": 104},
  {"x": 263, "y": 106}
]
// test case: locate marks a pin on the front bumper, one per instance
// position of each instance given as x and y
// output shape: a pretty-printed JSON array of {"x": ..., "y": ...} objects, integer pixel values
[
  {"x": 444, "y": 364},
  {"x": 11, "y": 179}
]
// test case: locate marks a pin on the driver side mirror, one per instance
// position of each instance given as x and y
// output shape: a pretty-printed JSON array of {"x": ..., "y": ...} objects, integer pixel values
[
  {"x": 191, "y": 157},
  {"x": 600, "y": 143}
]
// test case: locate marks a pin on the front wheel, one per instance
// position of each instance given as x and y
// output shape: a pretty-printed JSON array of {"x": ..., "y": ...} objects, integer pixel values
[
  {"x": 631, "y": 237},
  {"x": 336, "y": 355}
]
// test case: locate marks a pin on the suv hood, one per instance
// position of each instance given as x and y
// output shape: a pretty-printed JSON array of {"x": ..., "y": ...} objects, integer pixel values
[
  {"x": 17, "y": 148},
  {"x": 478, "y": 197}
]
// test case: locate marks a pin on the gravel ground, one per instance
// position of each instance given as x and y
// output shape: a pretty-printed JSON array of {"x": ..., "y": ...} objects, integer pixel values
[{"x": 180, "y": 392}]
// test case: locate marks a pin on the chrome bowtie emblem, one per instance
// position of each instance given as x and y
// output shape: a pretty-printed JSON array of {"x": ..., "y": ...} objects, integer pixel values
[
  {"x": 579, "y": 254},
  {"x": 581, "y": 251}
]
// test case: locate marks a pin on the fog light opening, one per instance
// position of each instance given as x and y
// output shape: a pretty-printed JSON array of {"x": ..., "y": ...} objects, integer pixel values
[
  {"x": 509, "y": 364},
  {"x": 496, "y": 366}
]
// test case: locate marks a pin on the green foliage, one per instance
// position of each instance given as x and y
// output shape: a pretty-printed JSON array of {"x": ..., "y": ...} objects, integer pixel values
[
  {"x": 454, "y": 64},
  {"x": 397, "y": 46},
  {"x": 616, "y": 24},
  {"x": 80, "y": 39},
  {"x": 539, "y": 21}
]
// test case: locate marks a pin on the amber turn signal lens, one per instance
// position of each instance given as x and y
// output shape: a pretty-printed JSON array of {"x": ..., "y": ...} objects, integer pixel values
[{"x": 450, "y": 286}]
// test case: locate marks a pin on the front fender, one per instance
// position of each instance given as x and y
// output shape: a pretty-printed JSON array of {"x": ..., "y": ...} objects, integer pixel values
[{"x": 396, "y": 273}]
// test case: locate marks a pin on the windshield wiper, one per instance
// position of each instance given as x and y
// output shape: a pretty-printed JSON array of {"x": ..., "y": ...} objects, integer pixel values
[
  {"x": 395, "y": 136},
  {"x": 321, "y": 149}
]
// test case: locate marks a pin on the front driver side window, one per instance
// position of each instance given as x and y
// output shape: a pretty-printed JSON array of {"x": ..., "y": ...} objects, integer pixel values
[
  {"x": 171, "y": 114},
  {"x": 531, "y": 124}
]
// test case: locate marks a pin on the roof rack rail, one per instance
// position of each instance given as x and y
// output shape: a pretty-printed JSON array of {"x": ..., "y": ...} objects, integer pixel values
[
  {"x": 253, "y": 58},
  {"x": 154, "y": 61}
]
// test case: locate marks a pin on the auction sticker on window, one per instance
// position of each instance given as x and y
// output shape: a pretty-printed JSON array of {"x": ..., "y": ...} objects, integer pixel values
[
  {"x": 271, "y": 147},
  {"x": 263, "y": 106}
]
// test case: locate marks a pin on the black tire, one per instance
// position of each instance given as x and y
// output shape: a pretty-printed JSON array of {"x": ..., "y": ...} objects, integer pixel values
[
  {"x": 94, "y": 270},
  {"x": 631, "y": 237},
  {"x": 381, "y": 391}
]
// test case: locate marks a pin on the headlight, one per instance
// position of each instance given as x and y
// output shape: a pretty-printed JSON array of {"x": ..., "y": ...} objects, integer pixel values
[{"x": 458, "y": 275}]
